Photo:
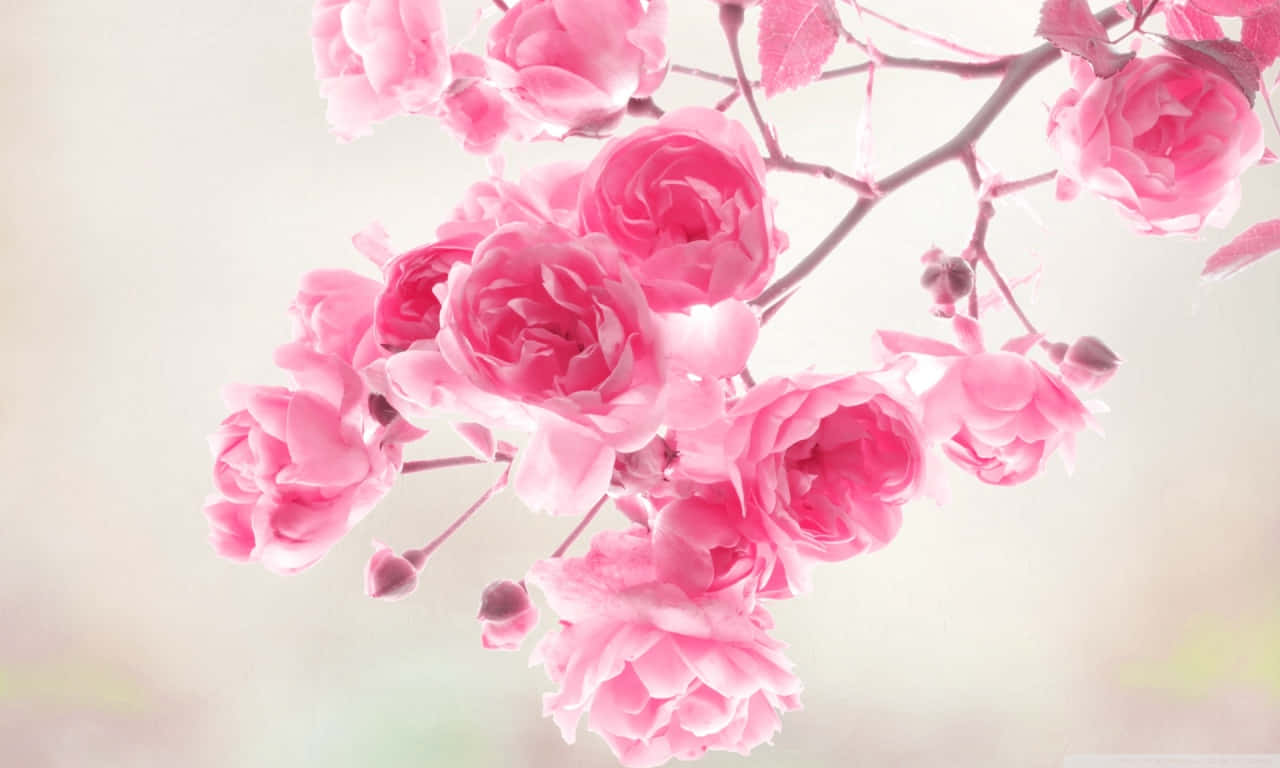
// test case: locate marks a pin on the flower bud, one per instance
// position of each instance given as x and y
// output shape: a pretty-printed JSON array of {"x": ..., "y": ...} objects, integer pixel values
[
  {"x": 506, "y": 615},
  {"x": 389, "y": 576},
  {"x": 948, "y": 280},
  {"x": 1088, "y": 363}
]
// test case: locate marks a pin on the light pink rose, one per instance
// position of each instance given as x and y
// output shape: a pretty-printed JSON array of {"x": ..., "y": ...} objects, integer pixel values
[
  {"x": 408, "y": 309},
  {"x": 295, "y": 469},
  {"x": 685, "y": 201},
  {"x": 506, "y": 615},
  {"x": 476, "y": 111},
  {"x": 333, "y": 314},
  {"x": 378, "y": 58},
  {"x": 574, "y": 64},
  {"x": 557, "y": 322},
  {"x": 545, "y": 194},
  {"x": 661, "y": 674},
  {"x": 821, "y": 464},
  {"x": 1001, "y": 416},
  {"x": 1165, "y": 140}
]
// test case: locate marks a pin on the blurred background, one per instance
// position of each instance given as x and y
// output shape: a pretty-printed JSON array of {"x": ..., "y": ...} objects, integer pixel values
[{"x": 168, "y": 176}]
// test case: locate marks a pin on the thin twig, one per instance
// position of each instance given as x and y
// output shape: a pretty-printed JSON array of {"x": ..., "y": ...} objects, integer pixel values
[
  {"x": 792, "y": 165},
  {"x": 1010, "y": 187},
  {"x": 452, "y": 461},
  {"x": 966, "y": 69},
  {"x": 1021, "y": 70},
  {"x": 703, "y": 74},
  {"x": 731, "y": 20},
  {"x": 498, "y": 485},
  {"x": 573, "y": 535}
]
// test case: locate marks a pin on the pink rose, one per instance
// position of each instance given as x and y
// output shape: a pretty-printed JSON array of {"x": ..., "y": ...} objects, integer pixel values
[
  {"x": 545, "y": 194},
  {"x": 1164, "y": 139},
  {"x": 408, "y": 309},
  {"x": 575, "y": 64},
  {"x": 1002, "y": 416},
  {"x": 378, "y": 58},
  {"x": 685, "y": 200},
  {"x": 333, "y": 314},
  {"x": 557, "y": 322},
  {"x": 476, "y": 111},
  {"x": 661, "y": 673},
  {"x": 821, "y": 464},
  {"x": 293, "y": 469}
]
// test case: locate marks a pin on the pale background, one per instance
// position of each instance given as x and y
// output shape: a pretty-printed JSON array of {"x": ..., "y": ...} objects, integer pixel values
[{"x": 168, "y": 176}]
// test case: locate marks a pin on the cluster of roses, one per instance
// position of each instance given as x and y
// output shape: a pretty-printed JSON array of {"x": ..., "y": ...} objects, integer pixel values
[
  {"x": 608, "y": 311},
  {"x": 604, "y": 311}
]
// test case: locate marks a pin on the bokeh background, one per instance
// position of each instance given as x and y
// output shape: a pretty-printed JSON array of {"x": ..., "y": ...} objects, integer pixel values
[{"x": 168, "y": 176}]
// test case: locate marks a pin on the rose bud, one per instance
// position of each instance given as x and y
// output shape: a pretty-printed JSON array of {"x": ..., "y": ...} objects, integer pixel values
[
  {"x": 948, "y": 280},
  {"x": 506, "y": 615},
  {"x": 389, "y": 576},
  {"x": 1088, "y": 363}
]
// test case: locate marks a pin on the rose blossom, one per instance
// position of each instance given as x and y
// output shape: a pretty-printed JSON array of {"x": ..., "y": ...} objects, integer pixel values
[
  {"x": 661, "y": 673},
  {"x": 293, "y": 468},
  {"x": 333, "y": 314},
  {"x": 378, "y": 58},
  {"x": 574, "y": 64},
  {"x": 1165, "y": 140},
  {"x": 475, "y": 111},
  {"x": 408, "y": 309},
  {"x": 1002, "y": 416},
  {"x": 821, "y": 464},
  {"x": 544, "y": 194},
  {"x": 557, "y": 322},
  {"x": 685, "y": 201}
]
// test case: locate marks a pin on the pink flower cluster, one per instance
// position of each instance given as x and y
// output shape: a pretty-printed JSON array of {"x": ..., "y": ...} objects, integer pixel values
[
  {"x": 608, "y": 309},
  {"x": 550, "y": 67}
]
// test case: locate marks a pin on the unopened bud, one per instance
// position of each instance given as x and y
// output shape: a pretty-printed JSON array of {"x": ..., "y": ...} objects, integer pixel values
[
  {"x": 506, "y": 615},
  {"x": 1088, "y": 363},
  {"x": 948, "y": 280},
  {"x": 389, "y": 576}
]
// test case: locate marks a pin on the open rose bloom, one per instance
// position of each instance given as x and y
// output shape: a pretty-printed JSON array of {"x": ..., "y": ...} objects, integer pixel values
[
  {"x": 587, "y": 328},
  {"x": 1165, "y": 140}
]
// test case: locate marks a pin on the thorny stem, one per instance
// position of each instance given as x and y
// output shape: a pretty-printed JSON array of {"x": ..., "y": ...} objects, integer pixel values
[
  {"x": 452, "y": 461},
  {"x": 791, "y": 165},
  {"x": 578, "y": 529},
  {"x": 1021, "y": 70},
  {"x": 731, "y": 22},
  {"x": 494, "y": 489}
]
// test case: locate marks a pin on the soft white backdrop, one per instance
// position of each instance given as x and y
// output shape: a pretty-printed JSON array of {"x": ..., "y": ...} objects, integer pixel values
[{"x": 168, "y": 176}]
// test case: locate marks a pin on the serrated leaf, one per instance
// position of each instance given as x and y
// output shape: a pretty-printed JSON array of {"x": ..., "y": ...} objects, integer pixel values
[
  {"x": 1186, "y": 22},
  {"x": 1234, "y": 7},
  {"x": 796, "y": 39},
  {"x": 1261, "y": 34},
  {"x": 1071, "y": 26},
  {"x": 1226, "y": 58},
  {"x": 1248, "y": 247}
]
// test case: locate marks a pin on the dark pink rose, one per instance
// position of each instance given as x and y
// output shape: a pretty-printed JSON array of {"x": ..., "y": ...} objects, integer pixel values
[
  {"x": 1165, "y": 140},
  {"x": 660, "y": 674},
  {"x": 574, "y": 64},
  {"x": 408, "y": 309},
  {"x": 557, "y": 322},
  {"x": 296, "y": 469},
  {"x": 378, "y": 58},
  {"x": 685, "y": 201},
  {"x": 821, "y": 464}
]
